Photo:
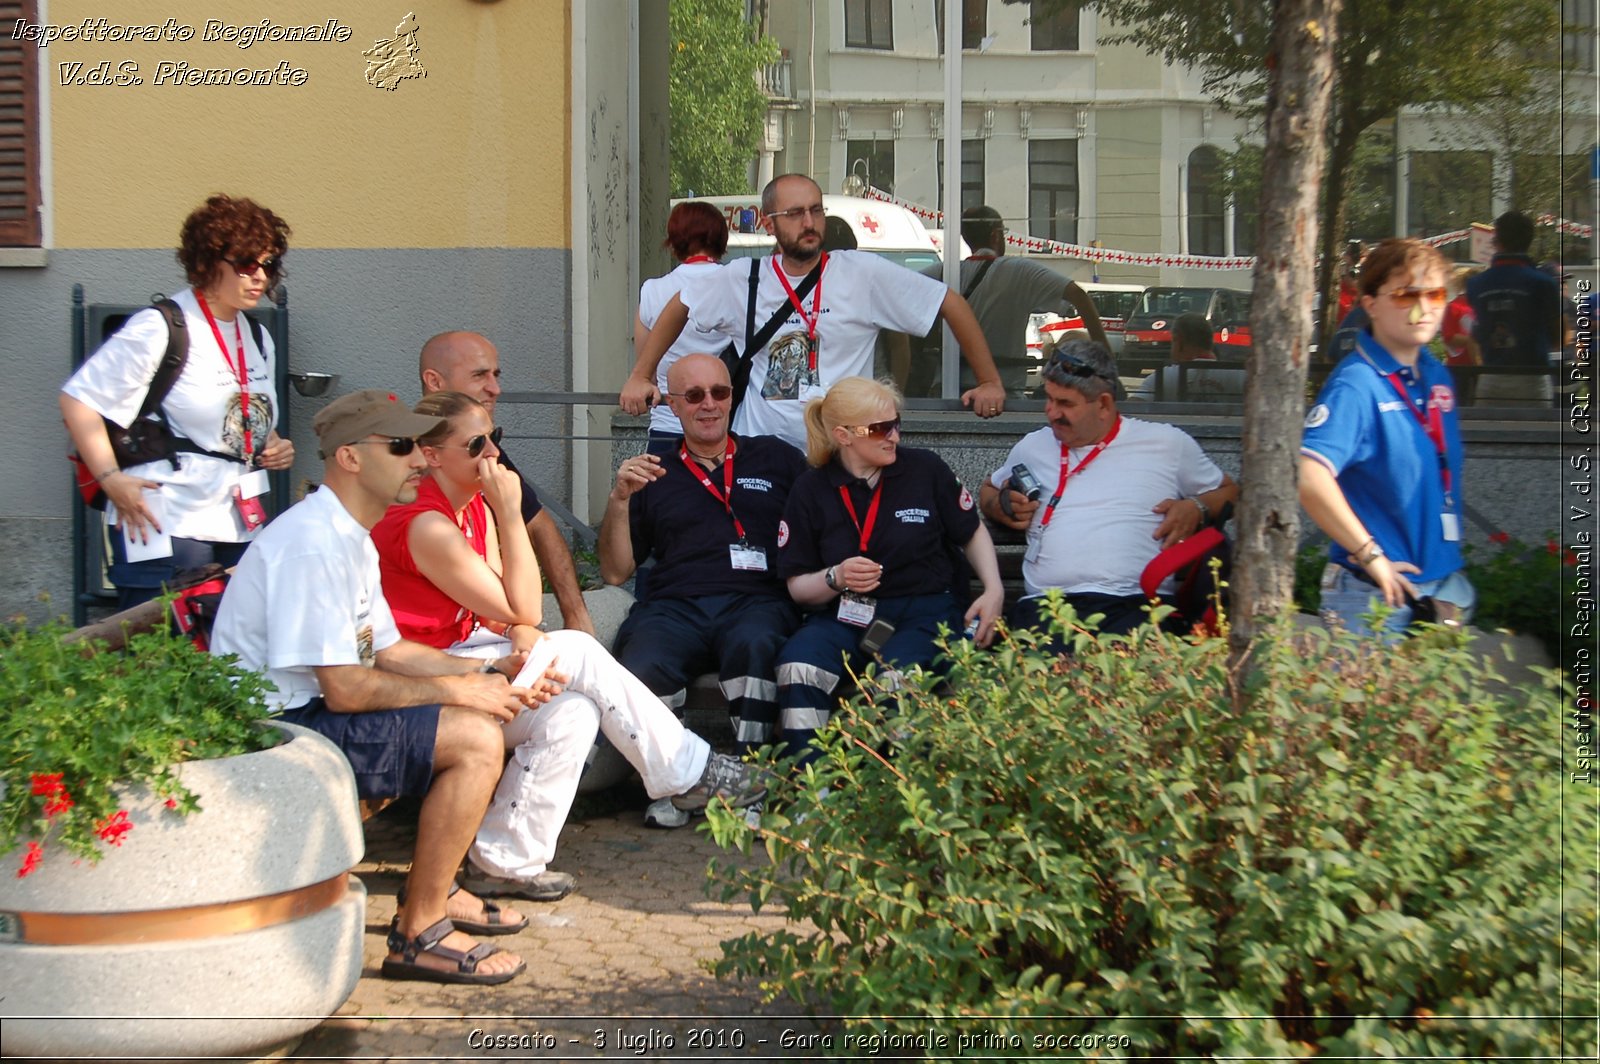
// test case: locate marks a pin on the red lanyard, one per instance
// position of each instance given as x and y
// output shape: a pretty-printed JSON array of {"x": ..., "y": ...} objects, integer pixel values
[
  {"x": 1432, "y": 427},
  {"x": 816, "y": 303},
  {"x": 1061, "y": 485},
  {"x": 872, "y": 511},
  {"x": 726, "y": 496},
  {"x": 692, "y": 259},
  {"x": 241, "y": 370}
]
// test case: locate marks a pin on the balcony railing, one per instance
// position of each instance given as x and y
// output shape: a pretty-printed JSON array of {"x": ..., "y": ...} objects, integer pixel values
[{"x": 777, "y": 79}]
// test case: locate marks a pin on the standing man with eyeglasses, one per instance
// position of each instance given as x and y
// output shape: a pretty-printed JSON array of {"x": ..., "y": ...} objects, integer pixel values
[
  {"x": 836, "y": 304},
  {"x": 1112, "y": 493},
  {"x": 705, "y": 510},
  {"x": 468, "y": 363},
  {"x": 306, "y": 608}
]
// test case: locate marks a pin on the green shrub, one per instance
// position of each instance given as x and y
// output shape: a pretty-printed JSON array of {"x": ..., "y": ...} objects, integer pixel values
[
  {"x": 79, "y": 722},
  {"x": 1364, "y": 860}
]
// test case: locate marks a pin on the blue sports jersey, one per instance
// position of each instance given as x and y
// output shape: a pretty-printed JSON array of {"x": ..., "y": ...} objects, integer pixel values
[{"x": 1386, "y": 465}]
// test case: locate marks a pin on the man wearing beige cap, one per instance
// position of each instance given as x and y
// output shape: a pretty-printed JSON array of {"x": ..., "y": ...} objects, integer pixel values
[{"x": 305, "y": 607}]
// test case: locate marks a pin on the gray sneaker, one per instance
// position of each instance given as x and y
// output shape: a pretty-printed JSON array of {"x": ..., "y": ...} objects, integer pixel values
[
  {"x": 546, "y": 886},
  {"x": 661, "y": 813},
  {"x": 725, "y": 777}
]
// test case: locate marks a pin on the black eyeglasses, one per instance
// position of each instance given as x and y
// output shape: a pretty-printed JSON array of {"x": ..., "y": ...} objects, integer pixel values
[
  {"x": 399, "y": 446},
  {"x": 475, "y": 444},
  {"x": 271, "y": 266},
  {"x": 697, "y": 395},
  {"x": 878, "y": 430},
  {"x": 1077, "y": 367}
]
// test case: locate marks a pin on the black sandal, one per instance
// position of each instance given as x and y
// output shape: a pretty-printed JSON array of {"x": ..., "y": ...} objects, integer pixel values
[
  {"x": 491, "y": 925},
  {"x": 465, "y": 971}
]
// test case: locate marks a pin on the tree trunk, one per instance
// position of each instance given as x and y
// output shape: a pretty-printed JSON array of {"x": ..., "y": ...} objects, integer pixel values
[{"x": 1299, "y": 87}]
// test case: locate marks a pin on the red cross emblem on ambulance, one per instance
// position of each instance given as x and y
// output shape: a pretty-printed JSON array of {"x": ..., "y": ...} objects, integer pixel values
[{"x": 869, "y": 222}]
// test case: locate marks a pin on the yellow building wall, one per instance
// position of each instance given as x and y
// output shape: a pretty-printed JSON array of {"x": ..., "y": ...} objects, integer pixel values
[{"x": 475, "y": 153}]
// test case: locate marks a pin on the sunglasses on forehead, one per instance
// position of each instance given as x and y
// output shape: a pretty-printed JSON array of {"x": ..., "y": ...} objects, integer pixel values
[
  {"x": 271, "y": 266},
  {"x": 475, "y": 444},
  {"x": 697, "y": 395},
  {"x": 1075, "y": 366},
  {"x": 878, "y": 430},
  {"x": 399, "y": 446}
]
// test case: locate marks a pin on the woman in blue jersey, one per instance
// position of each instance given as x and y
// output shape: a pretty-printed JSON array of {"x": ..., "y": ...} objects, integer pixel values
[{"x": 1380, "y": 462}]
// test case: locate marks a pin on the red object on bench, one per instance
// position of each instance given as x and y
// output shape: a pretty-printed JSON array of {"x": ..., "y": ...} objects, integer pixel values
[{"x": 1189, "y": 561}]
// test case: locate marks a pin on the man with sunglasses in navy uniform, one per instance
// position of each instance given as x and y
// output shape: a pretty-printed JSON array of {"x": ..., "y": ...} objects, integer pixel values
[
  {"x": 468, "y": 363},
  {"x": 706, "y": 510},
  {"x": 827, "y": 335},
  {"x": 1113, "y": 492},
  {"x": 306, "y": 608}
]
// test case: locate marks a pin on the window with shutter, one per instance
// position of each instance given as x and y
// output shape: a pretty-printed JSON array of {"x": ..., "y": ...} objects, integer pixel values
[{"x": 19, "y": 129}]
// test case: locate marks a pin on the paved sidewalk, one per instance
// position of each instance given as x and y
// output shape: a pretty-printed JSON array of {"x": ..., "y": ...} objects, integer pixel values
[{"x": 614, "y": 970}]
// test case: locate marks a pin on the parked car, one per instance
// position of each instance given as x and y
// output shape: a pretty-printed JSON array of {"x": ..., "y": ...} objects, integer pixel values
[
  {"x": 1149, "y": 329},
  {"x": 1114, "y": 302}
]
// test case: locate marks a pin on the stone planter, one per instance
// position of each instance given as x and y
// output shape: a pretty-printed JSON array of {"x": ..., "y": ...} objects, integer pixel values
[{"x": 219, "y": 933}]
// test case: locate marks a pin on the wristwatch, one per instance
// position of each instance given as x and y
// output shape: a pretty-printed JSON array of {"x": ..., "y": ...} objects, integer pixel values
[
  {"x": 1371, "y": 554},
  {"x": 828, "y": 578},
  {"x": 1205, "y": 514}
]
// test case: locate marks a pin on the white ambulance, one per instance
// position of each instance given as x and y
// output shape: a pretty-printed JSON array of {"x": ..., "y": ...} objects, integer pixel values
[{"x": 885, "y": 229}]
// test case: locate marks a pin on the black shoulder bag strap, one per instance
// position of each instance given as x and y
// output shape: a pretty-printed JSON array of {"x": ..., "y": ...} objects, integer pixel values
[
  {"x": 983, "y": 268},
  {"x": 755, "y": 341},
  {"x": 172, "y": 360}
]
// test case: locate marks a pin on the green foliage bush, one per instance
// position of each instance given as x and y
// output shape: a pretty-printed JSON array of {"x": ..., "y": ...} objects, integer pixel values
[
  {"x": 77, "y": 722},
  {"x": 1365, "y": 859}
]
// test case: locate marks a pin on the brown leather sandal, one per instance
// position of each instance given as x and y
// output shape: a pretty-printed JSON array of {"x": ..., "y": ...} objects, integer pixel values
[
  {"x": 491, "y": 924},
  {"x": 430, "y": 942}
]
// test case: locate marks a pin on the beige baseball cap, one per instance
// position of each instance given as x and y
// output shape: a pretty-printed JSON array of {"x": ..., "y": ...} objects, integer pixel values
[{"x": 373, "y": 412}]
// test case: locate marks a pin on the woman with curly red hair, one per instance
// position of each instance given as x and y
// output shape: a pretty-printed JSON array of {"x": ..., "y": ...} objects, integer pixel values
[{"x": 221, "y": 409}]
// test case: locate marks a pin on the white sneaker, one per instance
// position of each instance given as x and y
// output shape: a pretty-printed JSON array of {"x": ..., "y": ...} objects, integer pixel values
[
  {"x": 661, "y": 813},
  {"x": 724, "y": 777}
]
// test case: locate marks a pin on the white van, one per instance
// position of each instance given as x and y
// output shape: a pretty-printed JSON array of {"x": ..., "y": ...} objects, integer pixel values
[{"x": 885, "y": 229}]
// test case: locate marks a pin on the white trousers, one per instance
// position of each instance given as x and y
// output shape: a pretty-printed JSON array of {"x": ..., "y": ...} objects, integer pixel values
[{"x": 549, "y": 744}]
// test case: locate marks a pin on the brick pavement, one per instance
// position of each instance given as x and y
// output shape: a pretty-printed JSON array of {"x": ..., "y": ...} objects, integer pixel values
[{"x": 621, "y": 958}]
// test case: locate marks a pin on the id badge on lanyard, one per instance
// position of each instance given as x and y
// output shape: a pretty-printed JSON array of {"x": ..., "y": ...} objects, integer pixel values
[
  {"x": 857, "y": 609},
  {"x": 747, "y": 558}
]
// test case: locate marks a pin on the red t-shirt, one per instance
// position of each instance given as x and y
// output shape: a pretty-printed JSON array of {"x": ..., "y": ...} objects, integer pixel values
[
  {"x": 1458, "y": 321},
  {"x": 421, "y": 611}
]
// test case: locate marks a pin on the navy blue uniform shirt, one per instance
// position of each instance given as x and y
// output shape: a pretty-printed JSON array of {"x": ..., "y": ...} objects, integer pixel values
[
  {"x": 1518, "y": 309},
  {"x": 676, "y": 521},
  {"x": 924, "y": 512}
]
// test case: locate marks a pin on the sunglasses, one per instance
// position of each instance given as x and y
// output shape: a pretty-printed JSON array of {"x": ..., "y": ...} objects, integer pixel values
[
  {"x": 475, "y": 444},
  {"x": 245, "y": 267},
  {"x": 697, "y": 395},
  {"x": 878, "y": 430},
  {"x": 1075, "y": 366},
  {"x": 398, "y": 446},
  {"x": 1408, "y": 297}
]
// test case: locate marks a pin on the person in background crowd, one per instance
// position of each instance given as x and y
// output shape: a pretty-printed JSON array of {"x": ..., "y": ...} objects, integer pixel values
[
  {"x": 1204, "y": 381},
  {"x": 1518, "y": 311},
  {"x": 870, "y": 534},
  {"x": 222, "y": 407},
  {"x": 1380, "y": 461},
  {"x": 1004, "y": 290},
  {"x": 1461, "y": 349},
  {"x": 462, "y": 577},
  {"x": 697, "y": 233},
  {"x": 823, "y": 337}
]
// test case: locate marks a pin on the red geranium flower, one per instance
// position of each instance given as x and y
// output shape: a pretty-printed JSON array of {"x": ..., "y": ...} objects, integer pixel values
[
  {"x": 46, "y": 784},
  {"x": 59, "y": 802},
  {"x": 1501, "y": 538},
  {"x": 113, "y": 828},
  {"x": 1569, "y": 558},
  {"x": 31, "y": 859},
  {"x": 1553, "y": 547},
  {"x": 172, "y": 803}
]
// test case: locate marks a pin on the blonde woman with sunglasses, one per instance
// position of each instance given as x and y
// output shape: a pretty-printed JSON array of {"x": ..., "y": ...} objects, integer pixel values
[
  {"x": 1380, "y": 462},
  {"x": 459, "y": 574},
  {"x": 869, "y": 542}
]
